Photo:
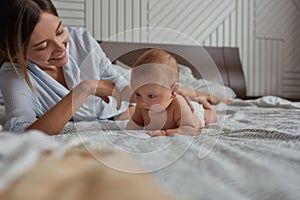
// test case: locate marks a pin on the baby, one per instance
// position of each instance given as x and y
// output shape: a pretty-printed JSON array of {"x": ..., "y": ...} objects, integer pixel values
[{"x": 154, "y": 80}]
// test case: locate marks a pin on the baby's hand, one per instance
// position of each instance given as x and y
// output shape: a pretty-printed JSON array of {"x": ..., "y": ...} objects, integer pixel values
[{"x": 156, "y": 133}]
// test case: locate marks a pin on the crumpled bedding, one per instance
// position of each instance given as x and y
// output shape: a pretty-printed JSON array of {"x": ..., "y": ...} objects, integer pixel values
[
  {"x": 76, "y": 175},
  {"x": 253, "y": 152}
]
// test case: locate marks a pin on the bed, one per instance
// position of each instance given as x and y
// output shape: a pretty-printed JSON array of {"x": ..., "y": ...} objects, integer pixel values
[{"x": 252, "y": 152}]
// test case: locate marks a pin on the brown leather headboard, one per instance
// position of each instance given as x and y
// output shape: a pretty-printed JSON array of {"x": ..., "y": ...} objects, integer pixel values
[{"x": 226, "y": 67}]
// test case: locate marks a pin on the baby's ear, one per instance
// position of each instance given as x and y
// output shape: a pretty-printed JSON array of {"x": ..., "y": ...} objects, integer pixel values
[{"x": 175, "y": 88}]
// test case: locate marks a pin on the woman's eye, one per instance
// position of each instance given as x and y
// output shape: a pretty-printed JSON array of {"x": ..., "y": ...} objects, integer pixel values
[
  {"x": 60, "y": 32},
  {"x": 151, "y": 96},
  {"x": 41, "y": 48}
]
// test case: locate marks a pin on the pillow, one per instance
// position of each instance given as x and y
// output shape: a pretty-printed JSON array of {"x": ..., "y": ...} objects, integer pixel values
[
  {"x": 187, "y": 79},
  {"x": 123, "y": 65}
]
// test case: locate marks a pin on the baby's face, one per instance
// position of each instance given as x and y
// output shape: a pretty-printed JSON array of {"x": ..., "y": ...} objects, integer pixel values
[{"x": 153, "y": 97}]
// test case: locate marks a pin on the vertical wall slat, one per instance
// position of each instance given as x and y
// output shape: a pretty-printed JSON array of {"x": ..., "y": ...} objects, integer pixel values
[
  {"x": 112, "y": 19},
  {"x": 97, "y": 20},
  {"x": 128, "y": 20},
  {"x": 269, "y": 69},
  {"x": 144, "y": 19},
  {"x": 89, "y": 15},
  {"x": 233, "y": 29},
  {"x": 120, "y": 21},
  {"x": 105, "y": 19},
  {"x": 226, "y": 31},
  {"x": 251, "y": 46},
  {"x": 136, "y": 21},
  {"x": 257, "y": 67},
  {"x": 279, "y": 70}
]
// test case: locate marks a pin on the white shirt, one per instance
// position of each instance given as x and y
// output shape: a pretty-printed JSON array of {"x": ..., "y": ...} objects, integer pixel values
[{"x": 86, "y": 61}]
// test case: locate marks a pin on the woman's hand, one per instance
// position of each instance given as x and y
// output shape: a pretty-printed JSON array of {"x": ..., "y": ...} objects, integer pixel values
[
  {"x": 200, "y": 99},
  {"x": 105, "y": 88},
  {"x": 187, "y": 99},
  {"x": 204, "y": 101},
  {"x": 216, "y": 100}
]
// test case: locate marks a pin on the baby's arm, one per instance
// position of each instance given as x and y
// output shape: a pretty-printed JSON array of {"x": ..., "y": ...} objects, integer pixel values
[
  {"x": 163, "y": 132},
  {"x": 136, "y": 121},
  {"x": 188, "y": 123}
]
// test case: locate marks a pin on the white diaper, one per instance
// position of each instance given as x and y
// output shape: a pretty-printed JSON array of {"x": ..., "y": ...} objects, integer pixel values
[{"x": 199, "y": 112}]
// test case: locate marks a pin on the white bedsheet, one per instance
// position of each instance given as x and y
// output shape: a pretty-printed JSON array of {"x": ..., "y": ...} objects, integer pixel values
[{"x": 252, "y": 153}]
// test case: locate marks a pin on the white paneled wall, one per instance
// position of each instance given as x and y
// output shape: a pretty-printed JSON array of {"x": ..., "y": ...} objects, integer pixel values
[
  {"x": 72, "y": 12},
  {"x": 117, "y": 20},
  {"x": 266, "y": 31}
]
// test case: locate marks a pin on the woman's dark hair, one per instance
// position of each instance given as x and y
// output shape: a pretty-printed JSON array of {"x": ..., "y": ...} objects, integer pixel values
[{"x": 17, "y": 21}]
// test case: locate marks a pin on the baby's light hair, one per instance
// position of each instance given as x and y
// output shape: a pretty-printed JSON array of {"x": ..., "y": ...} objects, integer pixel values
[
  {"x": 155, "y": 66},
  {"x": 157, "y": 56}
]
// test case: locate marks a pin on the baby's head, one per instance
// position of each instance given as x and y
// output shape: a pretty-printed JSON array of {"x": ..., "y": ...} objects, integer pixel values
[
  {"x": 155, "y": 66},
  {"x": 154, "y": 79},
  {"x": 157, "y": 56}
]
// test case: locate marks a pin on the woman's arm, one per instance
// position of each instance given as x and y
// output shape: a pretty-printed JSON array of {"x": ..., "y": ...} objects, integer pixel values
[
  {"x": 194, "y": 94},
  {"x": 54, "y": 120}
]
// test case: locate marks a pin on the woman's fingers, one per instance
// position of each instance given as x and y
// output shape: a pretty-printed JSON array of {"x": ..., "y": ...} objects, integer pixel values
[
  {"x": 204, "y": 101},
  {"x": 105, "y": 99},
  {"x": 107, "y": 88},
  {"x": 216, "y": 100},
  {"x": 104, "y": 88},
  {"x": 117, "y": 95}
]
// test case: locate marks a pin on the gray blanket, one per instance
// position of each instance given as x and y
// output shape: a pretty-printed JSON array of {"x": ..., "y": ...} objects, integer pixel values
[{"x": 253, "y": 152}]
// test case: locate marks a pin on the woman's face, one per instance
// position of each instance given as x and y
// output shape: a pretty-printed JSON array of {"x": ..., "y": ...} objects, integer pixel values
[{"x": 48, "y": 42}]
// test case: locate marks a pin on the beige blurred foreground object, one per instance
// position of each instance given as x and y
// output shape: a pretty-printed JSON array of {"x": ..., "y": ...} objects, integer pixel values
[
  {"x": 1, "y": 128},
  {"x": 79, "y": 176}
]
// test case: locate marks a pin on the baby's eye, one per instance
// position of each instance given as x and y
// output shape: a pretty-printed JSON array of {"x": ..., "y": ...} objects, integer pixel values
[
  {"x": 151, "y": 96},
  {"x": 137, "y": 94}
]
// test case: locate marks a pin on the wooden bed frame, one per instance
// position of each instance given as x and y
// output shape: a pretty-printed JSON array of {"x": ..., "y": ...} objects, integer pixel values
[{"x": 222, "y": 66}]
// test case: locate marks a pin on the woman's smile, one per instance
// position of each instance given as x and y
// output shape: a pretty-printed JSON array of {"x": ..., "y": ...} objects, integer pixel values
[{"x": 59, "y": 58}]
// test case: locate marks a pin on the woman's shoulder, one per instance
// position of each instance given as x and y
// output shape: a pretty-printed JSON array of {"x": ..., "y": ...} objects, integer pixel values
[
  {"x": 7, "y": 67},
  {"x": 81, "y": 39},
  {"x": 10, "y": 80},
  {"x": 77, "y": 31},
  {"x": 80, "y": 34}
]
